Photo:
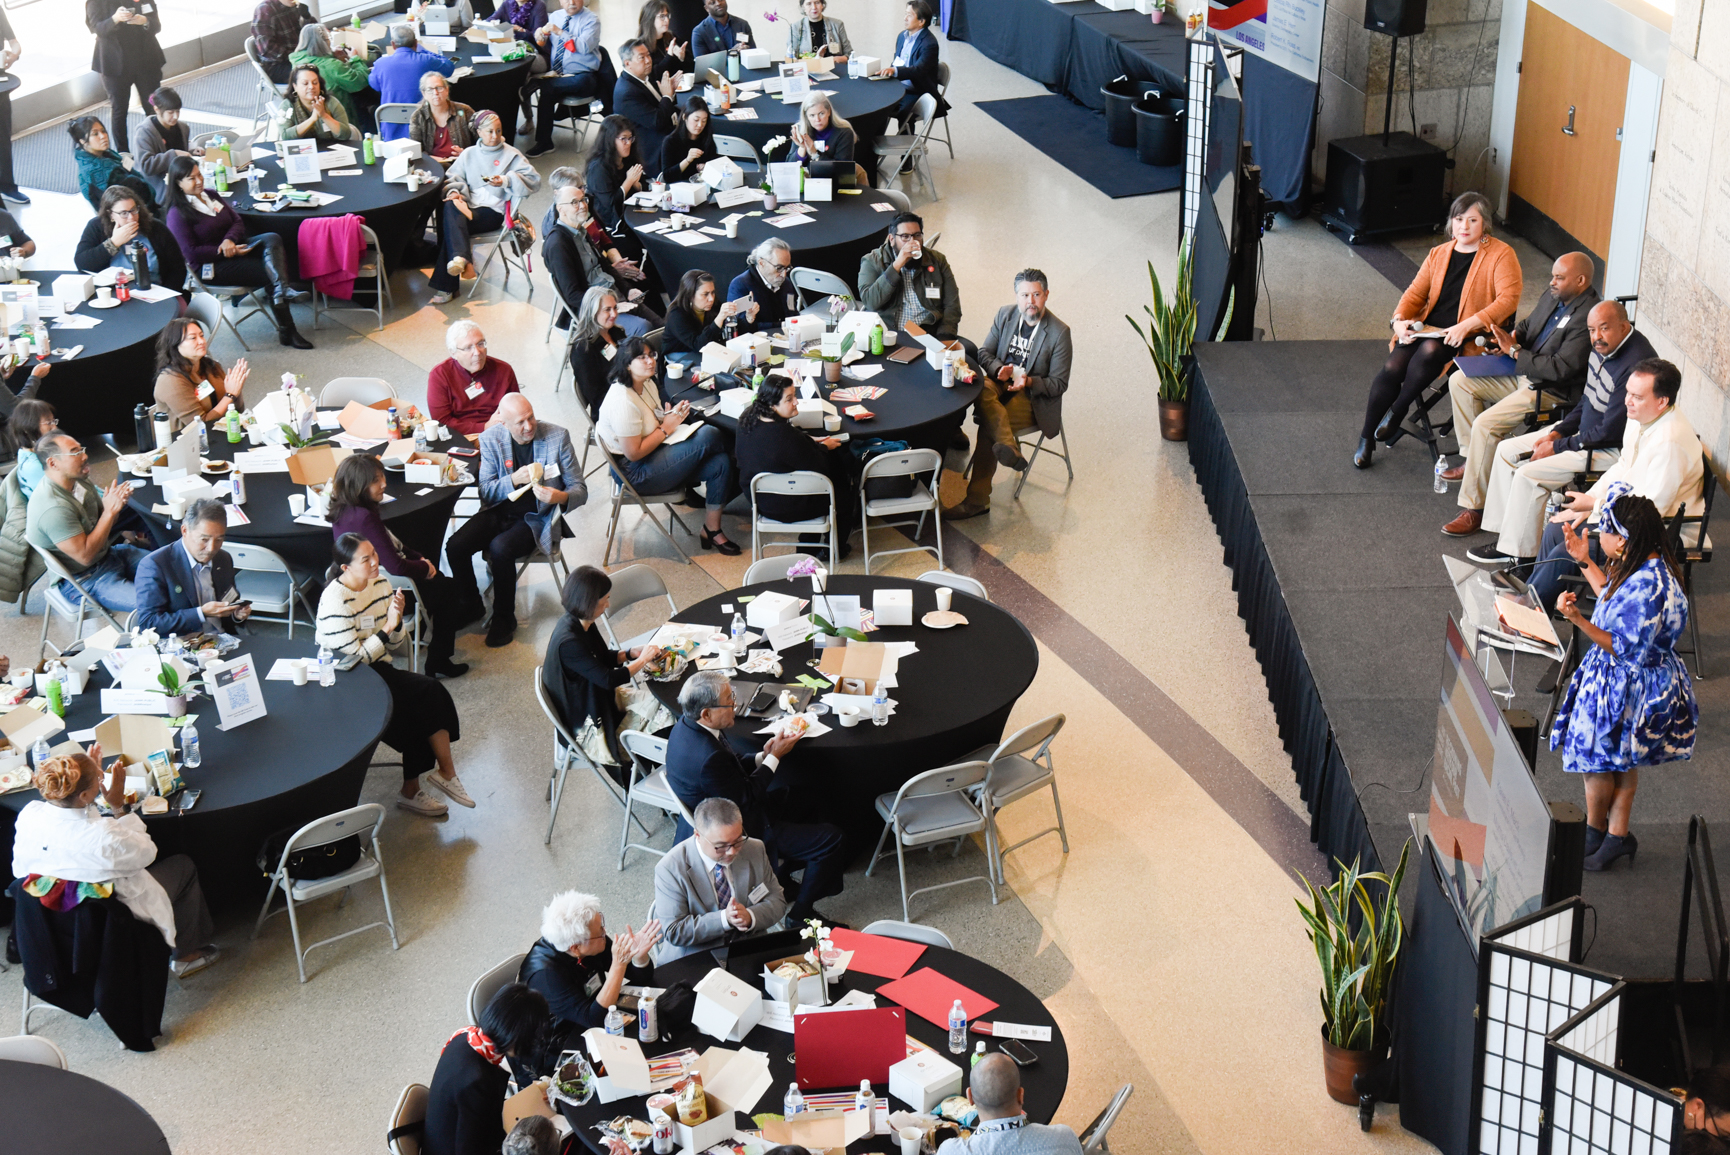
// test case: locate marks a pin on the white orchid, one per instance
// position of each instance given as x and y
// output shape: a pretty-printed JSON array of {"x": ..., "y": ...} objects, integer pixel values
[
  {"x": 815, "y": 930},
  {"x": 144, "y": 638},
  {"x": 289, "y": 380}
]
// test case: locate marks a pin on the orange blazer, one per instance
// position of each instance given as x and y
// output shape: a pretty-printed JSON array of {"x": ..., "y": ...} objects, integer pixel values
[{"x": 1491, "y": 292}]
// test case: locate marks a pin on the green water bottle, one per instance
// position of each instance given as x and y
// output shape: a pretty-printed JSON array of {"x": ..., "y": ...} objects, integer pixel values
[
  {"x": 222, "y": 179},
  {"x": 877, "y": 340},
  {"x": 233, "y": 420},
  {"x": 354, "y": 21},
  {"x": 367, "y": 153},
  {"x": 55, "y": 701},
  {"x": 757, "y": 378}
]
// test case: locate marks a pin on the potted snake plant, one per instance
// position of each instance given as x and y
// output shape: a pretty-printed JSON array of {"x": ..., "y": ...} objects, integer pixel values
[{"x": 1170, "y": 341}]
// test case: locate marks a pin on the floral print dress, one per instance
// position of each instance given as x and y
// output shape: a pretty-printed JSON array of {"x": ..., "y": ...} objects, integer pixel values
[{"x": 1633, "y": 707}]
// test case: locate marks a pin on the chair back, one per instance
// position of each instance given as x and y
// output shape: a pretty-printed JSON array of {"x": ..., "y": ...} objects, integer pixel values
[
  {"x": 943, "y": 78},
  {"x": 910, "y": 932},
  {"x": 955, "y": 581},
  {"x": 924, "y": 114},
  {"x": 775, "y": 568},
  {"x": 257, "y": 63},
  {"x": 901, "y": 201},
  {"x": 814, "y": 283},
  {"x": 653, "y": 338},
  {"x": 648, "y": 747},
  {"x": 207, "y": 311},
  {"x": 360, "y": 822},
  {"x": 366, "y": 390},
  {"x": 482, "y": 990},
  {"x": 263, "y": 560},
  {"x": 58, "y": 571},
  {"x": 1093, "y": 1137},
  {"x": 956, "y": 779},
  {"x": 633, "y": 584},
  {"x": 32, "y": 1049},
  {"x": 799, "y": 483},
  {"x": 395, "y": 113},
  {"x": 1037, "y": 737},
  {"x": 738, "y": 148},
  {"x": 408, "y": 1120},
  {"x": 552, "y": 711},
  {"x": 1688, "y": 534},
  {"x": 908, "y": 464}
]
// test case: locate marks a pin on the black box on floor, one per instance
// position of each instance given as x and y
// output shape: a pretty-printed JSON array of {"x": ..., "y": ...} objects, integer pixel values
[{"x": 1375, "y": 188}]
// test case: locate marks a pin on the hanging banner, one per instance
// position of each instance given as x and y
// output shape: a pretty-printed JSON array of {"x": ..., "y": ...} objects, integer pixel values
[{"x": 1283, "y": 32}]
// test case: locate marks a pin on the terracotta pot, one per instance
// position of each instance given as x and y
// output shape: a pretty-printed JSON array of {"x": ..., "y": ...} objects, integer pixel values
[
  {"x": 1174, "y": 420},
  {"x": 1339, "y": 1066}
]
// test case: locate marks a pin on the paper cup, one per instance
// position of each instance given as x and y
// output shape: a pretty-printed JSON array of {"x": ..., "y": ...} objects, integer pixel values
[
  {"x": 910, "y": 1139},
  {"x": 945, "y": 595},
  {"x": 889, "y": 337},
  {"x": 297, "y": 504},
  {"x": 732, "y": 228},
  {"x": 177, "y": 508},
  {"x": 298, "y": 669},
  {"x": 105, "y": 292},
  {"x": 849, "y": 716},
  {"x": 832, "y": 422}
]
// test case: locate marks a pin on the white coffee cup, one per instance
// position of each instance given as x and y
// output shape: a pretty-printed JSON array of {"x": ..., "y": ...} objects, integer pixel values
[
  {"x": 890, "y": 336},
  {"x": 732, "y": 228},
  {"x": 297, "y": 667},
  {"x": 945, "y": 596},
  {"x": 910, "y": 1140},
  {"x": 105, "y": 292},
  {"x": 832, "y": 422},
  {"x": 297, "y": 504},
  {"x": 849, "y": 716},
  {"x": 177, "y": 508}
]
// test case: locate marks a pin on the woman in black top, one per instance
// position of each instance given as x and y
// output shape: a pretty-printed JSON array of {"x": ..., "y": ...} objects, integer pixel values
[
  {"x": 127, "y": 54},
  {"x": 124, "y": 218},
  {"x": 690, "y": 145},
  {"x": 581, "y": 671},
  {"x": 655, "y": 28},
  {"x": 574, "y": 963},
  {"x": 768, "y": 443},
  {"x": 465, "y": 1103},
  {"x": 594, "y": 345},
  {"x": 693, "y": 319},
  {"x": 616, "y": 172}
]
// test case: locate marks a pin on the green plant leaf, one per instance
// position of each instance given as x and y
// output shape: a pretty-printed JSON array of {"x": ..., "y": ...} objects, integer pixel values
[{"x": 850, "y": 632}]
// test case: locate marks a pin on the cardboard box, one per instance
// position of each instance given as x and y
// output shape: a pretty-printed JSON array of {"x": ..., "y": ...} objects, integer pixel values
[
  {"x": 406, "y": 146},
  {"x": 771, "y": 609},
  {"x": 28, "y": 722},
  {"x": 685, "y": 195},
  {"x": 719, "y": 359},
  {"x": 627, "y": 1070},
  {"x": 369, "y": 420},
  {"x": 859, "y": 322},
  {"x": 862, "y": 66},
  {"x": 753, "y": 348},
  {"x": 893, "y": 607},
  {"x": 780, "y": 989},
  {"x": 755, "y": 58},
  {"x": 945, "y": 351},
  {"x": 819, "y": 1130},
  {"x": 861, "y": 660},
  {"x": 134, "y": 737},
  {"x": 727, "y": 1007},
  {"x": 396, "y": 169},
  {"x": 924, "y": 1080},
  {"x": 316, "y": 464},
  {"x": 812, "y": 411},
  {"x": 732, "y": 1081},
  {"x": 401, "y": 449},
  {"x": 425, "y": 469},
  {"x": 804, "y": 329},
  {"x": 723, "y": 173}
]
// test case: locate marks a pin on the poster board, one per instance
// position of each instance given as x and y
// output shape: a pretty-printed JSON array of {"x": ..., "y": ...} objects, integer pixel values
[{"x": 1283, "y": 32}]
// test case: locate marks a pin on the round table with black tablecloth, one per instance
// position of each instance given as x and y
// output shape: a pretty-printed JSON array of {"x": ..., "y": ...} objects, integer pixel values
[
  {"x": 97, "y": 391},
  {"x": 841, "y": 232},
  {"x": 397, "y": 215},
  {"x": 865, "y": 104},
  {"x": 1045, "y": 1081},
  {"x": 915, "y": 409},
  {"x": 304, "y": 759},
  {"x": 418, "y": 519},
  {"x": 496, "y": 84},
  {"x": 48, "y": 1111},
  {"x": 954, "y": 696}
]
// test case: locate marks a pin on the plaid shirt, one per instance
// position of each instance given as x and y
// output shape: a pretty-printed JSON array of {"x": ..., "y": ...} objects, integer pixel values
[{"x": 276, "y": 28}]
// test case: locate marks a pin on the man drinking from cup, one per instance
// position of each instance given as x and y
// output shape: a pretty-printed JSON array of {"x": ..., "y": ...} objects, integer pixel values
[{"x": 188, "y": 587}]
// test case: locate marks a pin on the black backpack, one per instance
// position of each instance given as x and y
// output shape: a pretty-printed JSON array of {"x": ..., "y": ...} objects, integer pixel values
[{"x": 313, "y": 862}]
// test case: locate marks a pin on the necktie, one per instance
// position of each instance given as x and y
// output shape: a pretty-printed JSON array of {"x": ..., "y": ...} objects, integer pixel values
[{"x": 723, "y": 889}]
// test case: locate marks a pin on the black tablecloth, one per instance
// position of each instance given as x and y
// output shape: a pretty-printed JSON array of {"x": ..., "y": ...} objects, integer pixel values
[
  {"x": 97, "y": 391},
  {"x": 306, "y": 758},
  {"x": 495, "y": 84},
  {"x": 1030, "y": 36},
  {"x": 390, "y": 210},
  {"x": 418, "y": 519},
  {"x": 954, "y": 696},
  {"x": 841, "y": 232},
  {"x": 48, "y": 1111},
  {"x": 916, "y": 409},
  {"x": 1072, "y": 48},
  {"x": 852, "y": 99},
  {"x": 1045, "y": 1081}
]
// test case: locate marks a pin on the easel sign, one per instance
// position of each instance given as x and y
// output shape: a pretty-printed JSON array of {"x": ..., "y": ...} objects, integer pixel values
[
  {"x": 235, "y": 688},
  {"x": 299, "y": 161}
]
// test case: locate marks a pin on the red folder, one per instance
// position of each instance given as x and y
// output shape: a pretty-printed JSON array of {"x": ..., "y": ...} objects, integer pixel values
[
  {"x": 875, "y": 954},
  {"x": 930, "y": 995},
  {"x": 839, "y": 1048}
]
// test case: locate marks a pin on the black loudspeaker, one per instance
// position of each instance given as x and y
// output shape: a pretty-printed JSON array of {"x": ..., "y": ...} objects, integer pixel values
[
  {"x": 1395, "y": 17},
  {"x": 1375, "y": 188}
]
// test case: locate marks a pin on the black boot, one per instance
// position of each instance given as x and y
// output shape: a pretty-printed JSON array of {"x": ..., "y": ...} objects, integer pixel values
[
  {"x": 1612, "y": 849},
  {"x": 1389, "y": 426},
  {"x": 1366, "y": 451},
  {"x": 285, "y": 330},
  {"x": 1594, "y": 838}
]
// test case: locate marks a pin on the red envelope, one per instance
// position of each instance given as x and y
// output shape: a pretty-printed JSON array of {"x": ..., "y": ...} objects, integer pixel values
[
  {"x": 839, "y": 1048},
  {"x": 875, "y": 954},
  {"x": 930, "y": 995}
]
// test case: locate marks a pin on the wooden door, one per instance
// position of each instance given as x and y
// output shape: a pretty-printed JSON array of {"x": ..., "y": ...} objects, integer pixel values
[{"x": 1570, "y": 178}]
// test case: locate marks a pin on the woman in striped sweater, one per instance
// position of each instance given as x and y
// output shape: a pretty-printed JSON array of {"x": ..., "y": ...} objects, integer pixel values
[{"x": 359, "y": 616}]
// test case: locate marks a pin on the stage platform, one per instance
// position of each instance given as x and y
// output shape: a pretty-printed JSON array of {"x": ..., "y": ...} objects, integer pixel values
[{"x": 1340, "y": 581}]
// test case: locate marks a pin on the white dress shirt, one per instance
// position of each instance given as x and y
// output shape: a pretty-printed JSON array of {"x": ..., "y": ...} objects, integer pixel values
[
  {"x": 81, "y": 845},
  {"x": 204, "y": 586},
  {"x": 1662, "y": 460}
]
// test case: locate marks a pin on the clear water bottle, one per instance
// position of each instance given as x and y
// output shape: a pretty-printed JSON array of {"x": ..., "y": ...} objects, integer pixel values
[
  {"x": 615, "y": 1020},
  {"x": 39, "y": 752},
  {"x": 739, "y": 634},
  {"x": 867, "y": 1102},
  {"x": 253, "y": 176},
  {"x": 1441, "y": 482},
  {"x": 326, "y": 667},
  {"x": 190, "y": 755},
  {"x": 794, "y": 1103},
  {"x": 880, "y": 706},
  {"x": 204, "y": 438},
  {"x": 173, "y": 647},
  {"x": 957, "y": 1029}
]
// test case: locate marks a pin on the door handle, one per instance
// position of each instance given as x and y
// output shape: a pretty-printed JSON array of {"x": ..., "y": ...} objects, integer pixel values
[{"x": 1568, "y": 129}]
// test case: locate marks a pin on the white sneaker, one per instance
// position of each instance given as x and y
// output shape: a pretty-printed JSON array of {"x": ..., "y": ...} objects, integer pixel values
[
  {"x": 441, "y": 298},
  {"x": 451, "y": 787},
  {"x": 423, "y": 803},
  {"x": 183, "y": 968},
  {"x": 456, "y": 266}
]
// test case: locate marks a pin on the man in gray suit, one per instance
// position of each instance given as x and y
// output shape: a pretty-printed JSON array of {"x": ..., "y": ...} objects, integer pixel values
[
  {"x": 1026, "y": 359},
  {"x": 716, "y": 887},
  {"x": 994, "y": 1085}
]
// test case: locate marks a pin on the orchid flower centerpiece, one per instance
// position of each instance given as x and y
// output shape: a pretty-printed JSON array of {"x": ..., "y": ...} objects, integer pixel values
[{"x": 822, "y": 951}]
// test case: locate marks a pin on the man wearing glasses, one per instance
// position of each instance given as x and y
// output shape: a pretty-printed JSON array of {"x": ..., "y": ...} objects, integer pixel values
[
  {"x": 70, "y": 520},
  {"x": 903, "y": 281},
  {"x": 716, "y": 886},
  {"x": 702, "y": 763},
  {"x": 766, "y": 288},
  {"x": 465, "y": 390}
]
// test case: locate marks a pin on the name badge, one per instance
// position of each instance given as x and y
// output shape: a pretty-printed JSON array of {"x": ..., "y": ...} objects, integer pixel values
[
  {"x": 146, "y": 9},
  {"x": 759, "y": 894},
  {"x": 820, "y": 145},
  {"x": 743, "y": 39},
  {"x": 366, "y": 623},
  {"x": 474, "y": 391},
  {"x": 209, "y": 271},
  {"x": 6, "y": 240},
  {"x": 607, "y": 351},
  {"x": 1559, "y": 324},
  {"x": 593, "y": 985},
  {"x": 204, "y": 390},
  {"x": 550, "y": 472},
  {"x": 84, "y": 492},
  {"x": 933, "y": 292}
]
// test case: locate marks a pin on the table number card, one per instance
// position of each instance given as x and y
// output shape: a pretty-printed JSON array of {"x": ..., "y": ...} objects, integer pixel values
[
  {"x": 234, "y": 685},
  {"x": 299, "y": 161}
]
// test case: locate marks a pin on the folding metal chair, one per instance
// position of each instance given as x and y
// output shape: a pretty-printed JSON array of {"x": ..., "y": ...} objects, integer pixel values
[
  {"x": 910, "y": 932},
  {"x": 361, "y": 822},
  {"x": 339, "y": 391},
  {"x": 648, "y": 785},
  {"x": 814, "y": 284},
  {"x": 268, "y": 91},
  {"x": 955, "y": 581},
  {"x": 401, "y": 114},
  {"x": 504, "y": 249},
  {"x": 1022, "y": 439},
  {"x": 419, "y": 621},
  {"x": 772, "y": 569},
  {"x": 1093, "y": 1136},
  {"x": 943, "y": 95},
  {"x": 895, "y": 151},
  {"x": 561, "y": 305},
  {"x": 1014, "y": 775},
  {"x": 554, "y": 561},
  {"x": 803, "y": 482},
  {"x": 262, "y": 577},
  {"x": 739, "y": 149},
  {"x": 252, "y": 294},
  {"x": 372, "y": 268},
  {"x": 564, "y": 749},
  {"x": 930, "y": 808},
  {"x": 56, "y": 602},
  {"x": 491, "y": 981},
  {"x": 1692, "y": 544},
  {"x": 408, "y": 1121},
  {"x": 633, "y": 584},
  {"x": 923, "y": 500},
  {"x": 623, "y": 487}
]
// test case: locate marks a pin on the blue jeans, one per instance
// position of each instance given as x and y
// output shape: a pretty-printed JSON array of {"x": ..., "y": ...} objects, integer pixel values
[
  {"x": 702, "y": 457},
  {"x": 109, "y": 581},
  {"x": 555, "y": 89},
  {"x": 1554, "y": 564}
]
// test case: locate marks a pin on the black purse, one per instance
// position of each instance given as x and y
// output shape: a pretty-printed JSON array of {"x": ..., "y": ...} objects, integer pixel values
[{"x": 313, "y": 862}]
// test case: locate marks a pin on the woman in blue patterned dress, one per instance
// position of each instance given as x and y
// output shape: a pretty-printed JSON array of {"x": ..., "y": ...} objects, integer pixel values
[{"x": 1630, "y": 704}]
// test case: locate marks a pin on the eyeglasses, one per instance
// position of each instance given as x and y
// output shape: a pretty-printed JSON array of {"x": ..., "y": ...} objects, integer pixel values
[
  {"x": 780, "y": 268},
  {"x": 123, "y": 212},
  {"x": 911, "y": 236},
  {"x": 625, "y": 138},
  {"x": 723, "y": 847},
  {"x": 79, "y": 452},
  {"x": 480, "y": 344}
]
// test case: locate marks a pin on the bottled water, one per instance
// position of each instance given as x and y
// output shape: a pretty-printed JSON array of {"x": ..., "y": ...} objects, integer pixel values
[
  {"x": 880, "y": 712},
  {"x": 957, "y": 1029},
  {"x": 204, "y": 438},
  {"x": 867, "y": 1102},
  {"x": 739, "y": 634},
  {"x": 615, "y": 1020},
  {"x": 326, "y": 667},
  {"x": 1441, "y": 482},
  {"x": 39, "y": 752},
  {"x": 794, "y": 1103},
  {"x": 190, "y": 755}
]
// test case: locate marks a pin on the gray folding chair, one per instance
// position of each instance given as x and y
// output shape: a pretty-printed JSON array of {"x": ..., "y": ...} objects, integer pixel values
[
  {"x": 930, "y": 808},
  {"x": 395, "y": 113},
  {"x": 622, "y": 487},
  {"x": 554, "y": 561},
  {"x": 564, "y": 306},
  {"x": 773, "y": 569},
  {"x": 504, "y": 250},
  {"x": 1022, "y": 439},
  {"x": 269, "y": 91},
  {"x": 1014, "y": 775},
  {"x": 815, "y": 283},
  {"x": 910, "y": 932},
  {"x": 339, "y": 391},
  {"x": 579, "y": 122},
  {"x": 897, "y": 198},
  {"x": 207, "y": 311},
  {"x": 408, "y": 1121},
  {"x": 739, "y": 149},
  {"x": 252, "y": 295},
  {"x": 419, "y": 621},
  {"x": 802, "y": 482},
  {"x": 371, "y": 268},
  {"x": 633, "y": 584},
  {"x": 648, "y": 785},
  {"x": 32, "y": 1049},
  {"x": 894, "y": 151},
  {"x": 564, "y": 749},
  {"x": 955, "y": 581},
  {"x": 495, "y": 978},
  {"x": 943, "y": 95},
  {"x": 923, "y": 500},
  {"x": 65, "y": 605},
  {"x": 361, "y": 822},
  {"x": 1093, "y": 1137},
  {"x": 263, "y": 578}
]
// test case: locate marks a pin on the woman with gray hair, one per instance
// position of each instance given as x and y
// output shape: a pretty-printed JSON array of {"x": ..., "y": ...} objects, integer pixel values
[
  {"x": 578, "y": 968},
  {"x": 594, "y": 344},
  {"x": 482, "y": 189},
  {"x": 344, "y": 77},
  {"x": 441, "y": 126}
]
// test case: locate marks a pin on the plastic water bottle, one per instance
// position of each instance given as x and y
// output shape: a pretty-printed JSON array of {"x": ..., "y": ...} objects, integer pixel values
[
  {"x": 39, "y": 753},
  {"x": 1441, "y": 482},
  {"x": 190, "y": 755},
  {"x": 173, "y": 647},
  {"x": 253, "y": 176},
  {"x": 390, "y": 423},
  {"x": 233, "y": 426},
  {"x": 794, "y": 1103},
  {"x": 738, "y": 633},
  {"x": 204, "y": 437},
  {"x": 957, "y": 1029},
  {"x": 867, "y": 1102},
  {"x": 615, "y": 1021},
  {"x": 880, "y": 712},
  {"x": 354, "y": 21},
  {"x": 326, "y": 667}
]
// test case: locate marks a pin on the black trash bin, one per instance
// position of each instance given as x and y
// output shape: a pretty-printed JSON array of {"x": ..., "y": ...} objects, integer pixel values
[
  {"x": 1120, "y": 97},
  {"x": 1159, "y": 129}
]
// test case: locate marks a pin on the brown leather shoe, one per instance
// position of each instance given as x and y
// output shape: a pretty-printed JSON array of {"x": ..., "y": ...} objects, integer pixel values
[
  {"x": 962, "y": 510},
  {"x": 1469, "y": 522},
  {"x": 1454, "y": 474}
]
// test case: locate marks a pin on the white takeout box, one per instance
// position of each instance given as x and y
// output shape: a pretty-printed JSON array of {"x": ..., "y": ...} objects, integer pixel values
[
  {"x": 819, "y": 1130},
  {"x": 719, "y": 358},
  {"x": 405, "y": 146},
  {"x": 28, "y": 722},
  {"x": 627, "y": 1070},
  {"x": 771, "y": 609},
  {"x": 945, "y": 351},
  {"x": 727, "y": 1007},
  {"x": 859, "y": 322},
  {"x": 723, "y": 173},
  {"x": 732, "y": 1081},
  {"x": 805, "y": 329},
  {"x": 74, "y": 288},
  {"x": 755, "y": 58},
  {"x": 425, "y": 469},
  {"x": 76, "y": 676},
  {"x": 686, "y": 195},
  {"x": 924, "y": 1080},
  {"x": 893, "y": 607},
  {"x": 753, "y": 348},
  {"x": 811, "y": 412},
  {"x": 859, "y": 66},
  {"x": 187, "y": 489},
  {"x": 777, "y": 988},
  {"x": 396, "y": 168}
]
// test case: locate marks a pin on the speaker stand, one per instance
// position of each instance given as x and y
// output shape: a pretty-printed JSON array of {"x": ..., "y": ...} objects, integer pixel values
[{"x": 1393, "y": 72}]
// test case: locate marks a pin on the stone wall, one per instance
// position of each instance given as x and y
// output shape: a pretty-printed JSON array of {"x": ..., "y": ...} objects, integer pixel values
[
  {"x": 1453, "y": 65},
  {"x": 1685, "y": 266}
]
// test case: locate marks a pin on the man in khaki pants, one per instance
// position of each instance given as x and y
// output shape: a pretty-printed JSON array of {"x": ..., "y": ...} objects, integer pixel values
[{"x": 1549, "y": 349}]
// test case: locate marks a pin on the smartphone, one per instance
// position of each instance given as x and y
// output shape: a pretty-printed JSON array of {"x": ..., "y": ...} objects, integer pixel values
[
  {"x": 464, "y": 452},
  {"x": 1018, "y": 1051},
  {"x": 189, "y": 798}
]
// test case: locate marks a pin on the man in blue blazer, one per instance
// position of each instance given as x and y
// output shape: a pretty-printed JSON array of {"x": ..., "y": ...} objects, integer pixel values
[
  {"x": 186, "y": 587},
  {"x": 720, "y": 32},
  {"x": 702, "y": 763},
  {"x": 915, "y": 63},
  {"x": 519, "y": 456},
  {"x": 647, "y": 105}
]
